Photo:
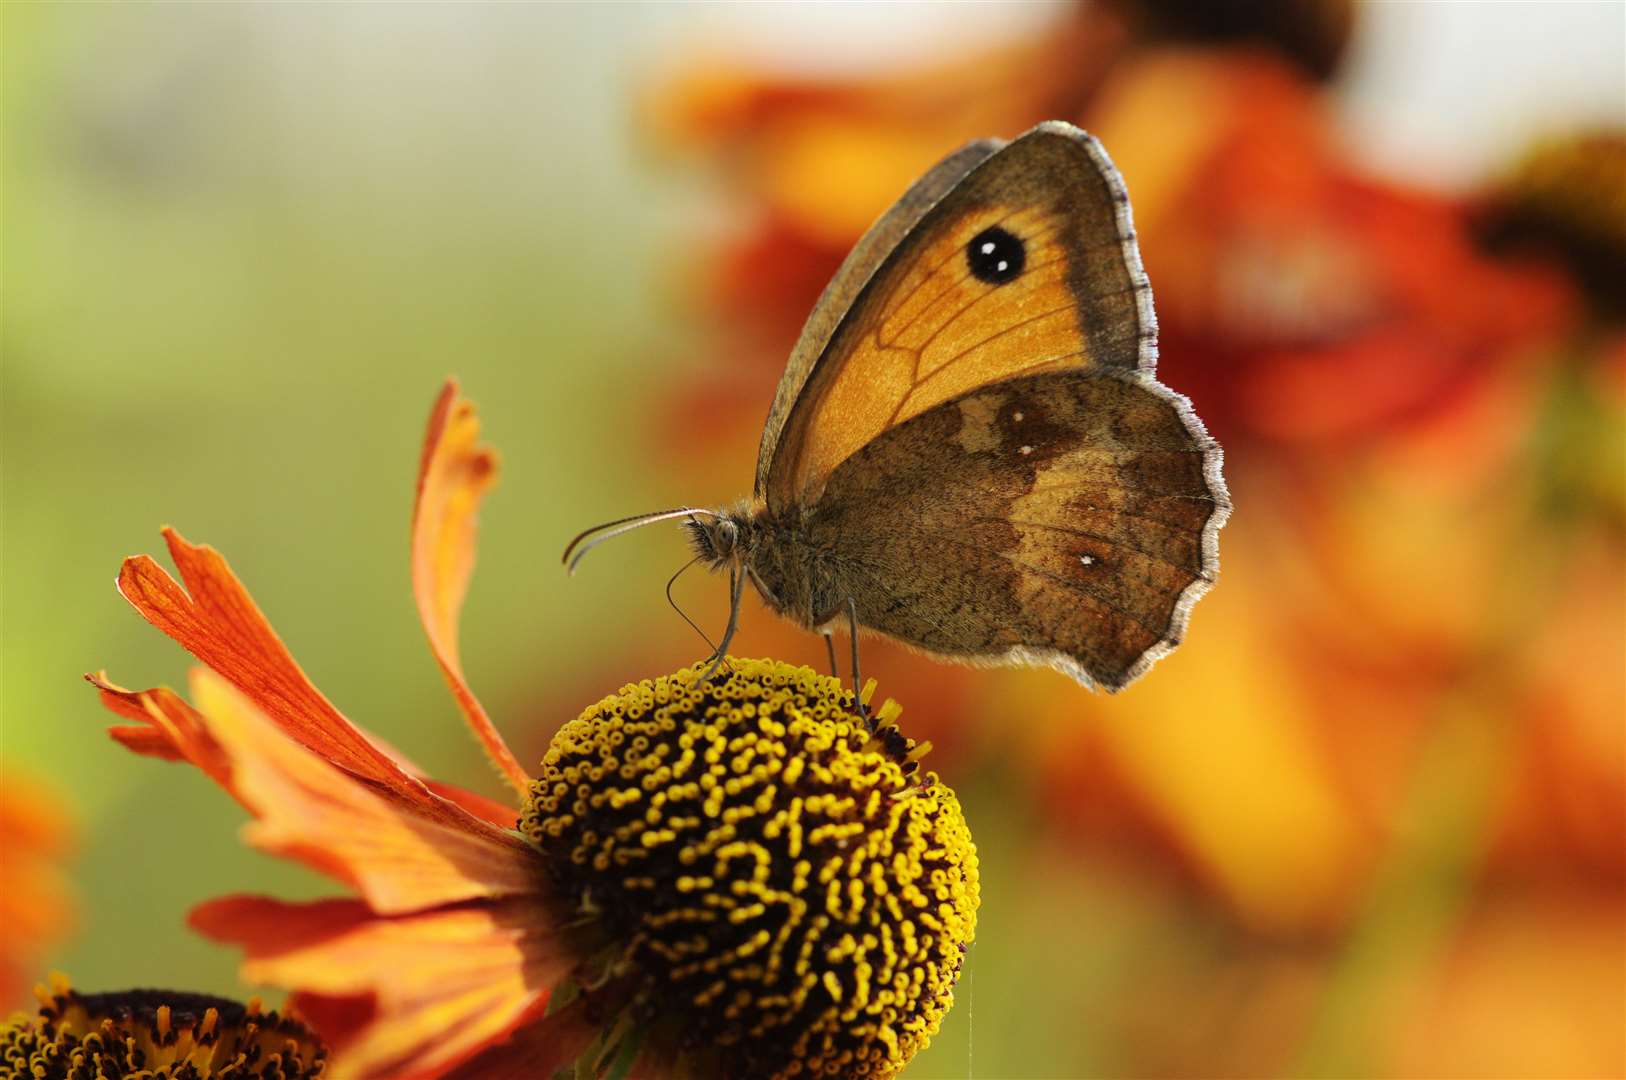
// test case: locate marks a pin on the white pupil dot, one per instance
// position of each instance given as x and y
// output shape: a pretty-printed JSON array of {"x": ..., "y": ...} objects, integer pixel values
[
  {"x": 988, "y": 247},
  {"x": 1025, "y": 451},
  {"x": 1017, "y": 417},
  {"x": 1086, "y": 559},
  {"x": 1003, "y": 265}
]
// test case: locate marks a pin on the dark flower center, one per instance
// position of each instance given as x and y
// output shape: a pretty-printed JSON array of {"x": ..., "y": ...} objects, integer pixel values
[{"x": 162, "y": 1034}]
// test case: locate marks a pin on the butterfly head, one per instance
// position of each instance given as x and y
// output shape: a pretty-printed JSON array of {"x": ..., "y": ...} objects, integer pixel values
[{"x": 720, "y": 539}]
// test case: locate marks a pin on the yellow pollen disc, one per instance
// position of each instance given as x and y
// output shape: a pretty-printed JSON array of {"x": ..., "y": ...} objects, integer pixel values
[{"x": 794, "y": 895}]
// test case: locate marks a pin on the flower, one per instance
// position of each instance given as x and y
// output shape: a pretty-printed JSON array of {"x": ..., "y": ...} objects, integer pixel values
[
  {"x": 777, "y": 879},
  {"x": 158, "y": 1034},
  {"x": 35, "y": 908},
  {"x": 451, "y": 942},
  {"x": 1567, "y": 197},
  {"x": 1314, "y": 34},
  {"x": 753, "y": 829},
  {"x": 1300, "y": 300}
]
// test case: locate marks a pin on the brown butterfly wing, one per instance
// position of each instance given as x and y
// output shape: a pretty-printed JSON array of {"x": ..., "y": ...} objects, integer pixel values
[
  {"x": 925, "y": 327},
  {"x": 855, "y": 273},
  {"x": 1068, "y": 519}
]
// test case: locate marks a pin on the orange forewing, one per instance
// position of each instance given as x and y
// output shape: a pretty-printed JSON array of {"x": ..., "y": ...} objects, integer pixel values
[
  {"x": 941, "y": 333},
  {"x": 926, "y": 330}
]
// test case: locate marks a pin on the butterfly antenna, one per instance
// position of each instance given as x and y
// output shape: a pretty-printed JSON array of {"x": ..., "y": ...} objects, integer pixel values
[
  {"x": 581, "y": 545},
  {"x": 681, "y": 613}
]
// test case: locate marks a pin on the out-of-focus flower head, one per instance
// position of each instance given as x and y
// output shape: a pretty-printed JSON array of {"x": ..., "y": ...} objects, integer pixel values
[
  {"x": 161, "y": 1034},
  {"x": 36, "y": 908},
  {"x": 826, "y": 155},
  {"x": 738, "y": 875},
  {"x": 1299, "y": 299},
  {"x": 1311, "y": 34},
  {"x": 1567, "y": 198}
]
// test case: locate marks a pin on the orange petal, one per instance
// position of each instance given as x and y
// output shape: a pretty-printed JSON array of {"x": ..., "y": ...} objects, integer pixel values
[
  {"x": 216, "y": 620},
  {"x": 500, "y": 814},
  {"x": 403, "y": 854},
  {"x": 444, "y": 985},
  {"x": 453, "y": 476},
  {"x": 171, "y": 729},
  {"x": 534, "y": 1049}
]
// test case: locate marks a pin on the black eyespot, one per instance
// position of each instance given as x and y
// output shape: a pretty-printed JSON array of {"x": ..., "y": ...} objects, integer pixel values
[{"x": 995, "y": 256}]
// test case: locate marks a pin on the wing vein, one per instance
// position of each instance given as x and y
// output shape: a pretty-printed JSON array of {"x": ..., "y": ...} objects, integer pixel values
[
  {"x": 886, "y": 310},
  {"x": 954, "y": 283},
  {"x": 1011, "y": 329}
]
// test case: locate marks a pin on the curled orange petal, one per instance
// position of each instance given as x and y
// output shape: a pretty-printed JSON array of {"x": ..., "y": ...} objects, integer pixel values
[
  {"x": 453, "y": 476},
  {"x": 400, "y": 854},
  {"x": 216, "y": 620},
  {"x": 443, "y": 985},
  {"x": 166, "y": 727}
]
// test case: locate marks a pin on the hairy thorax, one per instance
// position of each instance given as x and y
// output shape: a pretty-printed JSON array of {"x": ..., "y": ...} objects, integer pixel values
[{"x": 783, "y": 557}]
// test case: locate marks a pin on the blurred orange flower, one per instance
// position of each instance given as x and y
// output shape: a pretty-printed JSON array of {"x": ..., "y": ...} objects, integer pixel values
[
  {"x": 1566, "y": 199},
  {"x": 36, "y": 909},
  {"x": 1299, "y": 299}
]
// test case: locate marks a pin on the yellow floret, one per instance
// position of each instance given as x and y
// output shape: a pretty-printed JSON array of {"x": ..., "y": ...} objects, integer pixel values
[{"x": 780, "y": 876}]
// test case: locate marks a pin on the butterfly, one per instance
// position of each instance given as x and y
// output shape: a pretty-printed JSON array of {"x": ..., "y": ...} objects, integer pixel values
[{"x": 969, "y": 450}]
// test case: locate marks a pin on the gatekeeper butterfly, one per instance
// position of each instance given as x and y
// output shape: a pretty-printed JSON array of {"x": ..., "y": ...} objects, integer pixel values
[{"x": 969, "y": 451}]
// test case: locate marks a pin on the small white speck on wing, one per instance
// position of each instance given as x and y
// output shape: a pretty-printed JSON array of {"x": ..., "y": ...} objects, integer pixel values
[
  {"x": 988, "y": 247},
  {"x": 1017, "y": 416},
  {"x": 1025, "y": 450},
  {"x": 1087, "y": 560}
]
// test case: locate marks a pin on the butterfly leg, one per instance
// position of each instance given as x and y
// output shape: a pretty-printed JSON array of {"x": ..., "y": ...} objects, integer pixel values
[
  {"x": 830, "y": 650},
  {"x": 736, "y": 594},
  {"x": 858, "y": 679}
]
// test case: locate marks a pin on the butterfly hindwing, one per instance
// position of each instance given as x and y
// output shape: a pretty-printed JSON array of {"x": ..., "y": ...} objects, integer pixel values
[
  {"x": 1067, "y": 518},
  {"x": 1026, "y": 263}
]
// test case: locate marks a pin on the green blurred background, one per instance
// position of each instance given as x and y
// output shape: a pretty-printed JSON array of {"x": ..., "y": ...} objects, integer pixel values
[
  {"x": 243, "y": 247},
  {"x": 243, "y": 244}
]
